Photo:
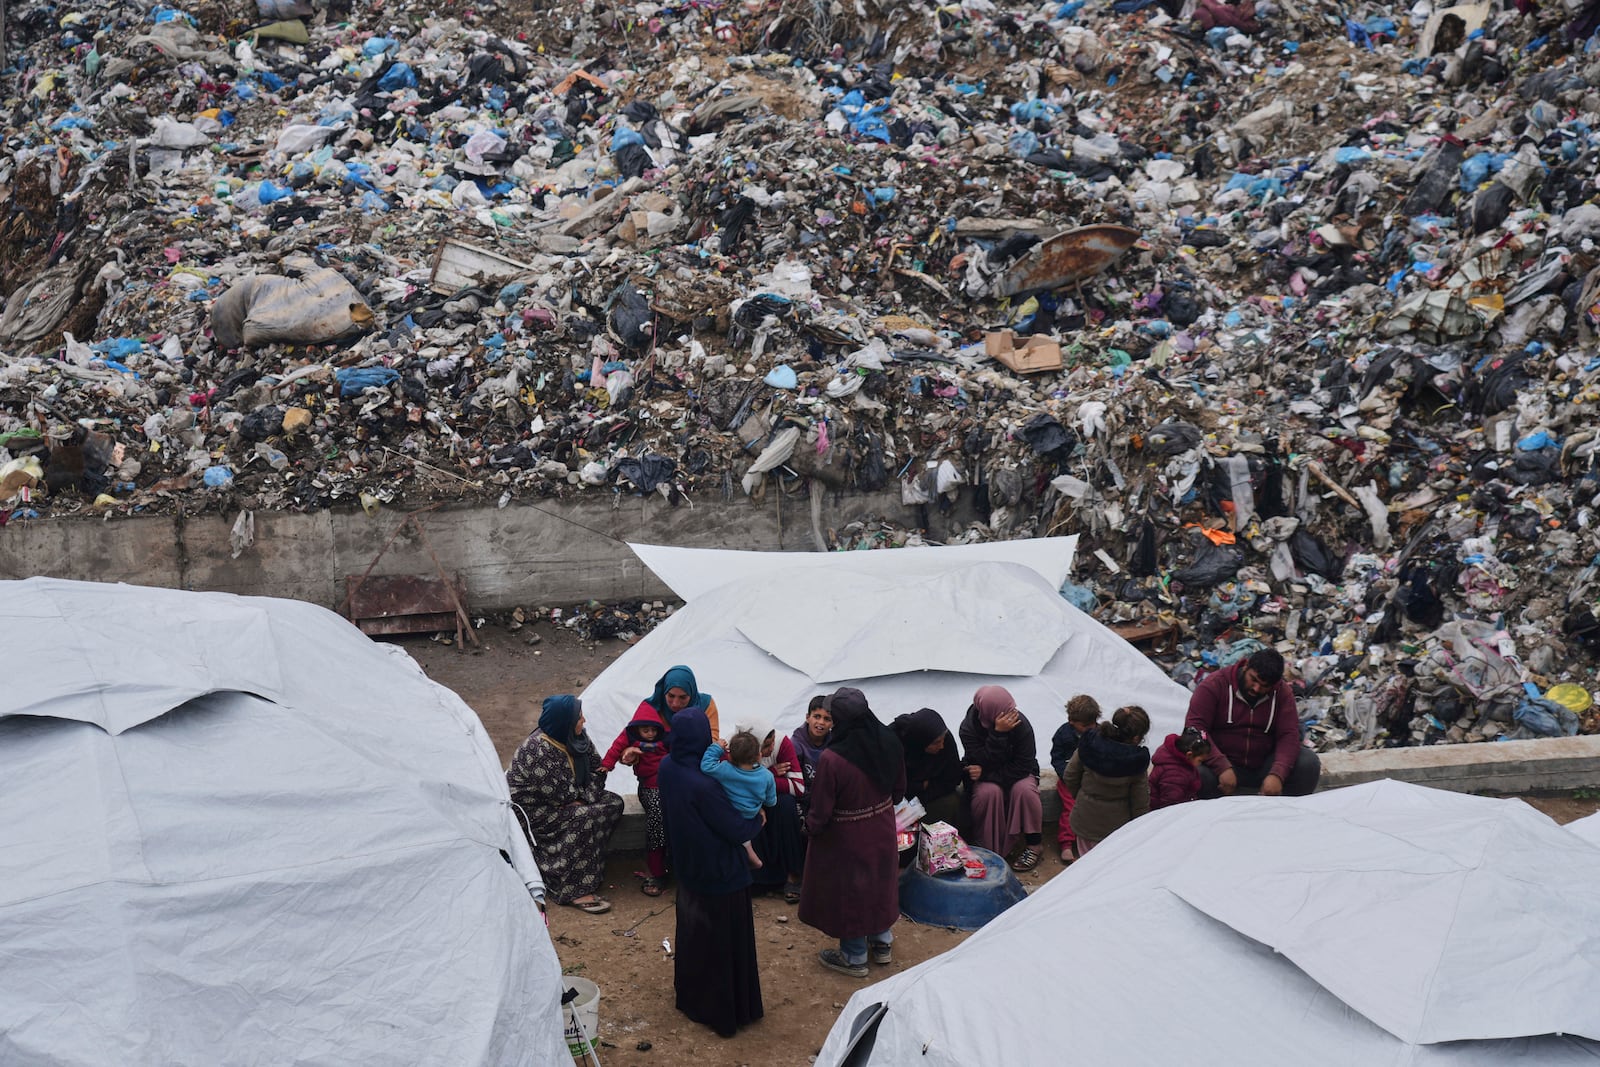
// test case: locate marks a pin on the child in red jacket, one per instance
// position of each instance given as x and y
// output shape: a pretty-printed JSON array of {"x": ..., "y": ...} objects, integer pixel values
[
  {"x": 1175, "y": 774},
  {"x": 642, "y": 745}
]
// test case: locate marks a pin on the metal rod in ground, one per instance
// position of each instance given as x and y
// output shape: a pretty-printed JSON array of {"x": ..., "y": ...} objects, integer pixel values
[{"x": 583, "y": 1035}]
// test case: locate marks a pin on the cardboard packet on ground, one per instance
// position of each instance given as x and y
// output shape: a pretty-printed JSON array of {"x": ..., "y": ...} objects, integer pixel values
[{"x": 940, "y": 848}]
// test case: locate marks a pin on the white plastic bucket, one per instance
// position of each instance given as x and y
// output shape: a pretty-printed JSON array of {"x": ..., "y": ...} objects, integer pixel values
[{"x": 586, "y": 1008}]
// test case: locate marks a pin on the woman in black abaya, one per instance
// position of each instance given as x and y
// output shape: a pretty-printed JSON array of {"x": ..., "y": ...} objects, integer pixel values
[{"x": 715, "y": 973}]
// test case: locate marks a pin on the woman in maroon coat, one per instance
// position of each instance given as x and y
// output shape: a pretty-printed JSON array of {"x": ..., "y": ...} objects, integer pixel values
[{"x": 851, "y": 889}]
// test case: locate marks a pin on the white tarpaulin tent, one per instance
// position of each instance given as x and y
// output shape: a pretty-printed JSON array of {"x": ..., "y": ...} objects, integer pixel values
[
  {"x": 1587, "y": 828},
  {"x": 238, "y": 832},
  {"x": 1382, "y": 924},
  {"x": 910, "y": 627}
]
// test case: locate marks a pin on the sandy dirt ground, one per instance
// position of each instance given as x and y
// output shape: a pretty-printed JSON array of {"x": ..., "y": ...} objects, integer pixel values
[{"x": 622, "y": 951}]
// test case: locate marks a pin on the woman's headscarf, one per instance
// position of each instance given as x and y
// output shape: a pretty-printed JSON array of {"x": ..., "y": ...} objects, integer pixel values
[
  {"x": 679, "y": 677},
  {"x": 929, "y": 775},
  {"x": 691, "y": 739},
  {"x": 992, "y": 701},
  {"x": 557, "y": 718},
  {"x": 760, "y": 727},
  {"x": 919, "y": 729},
  {"x": 861, "y": 739}
]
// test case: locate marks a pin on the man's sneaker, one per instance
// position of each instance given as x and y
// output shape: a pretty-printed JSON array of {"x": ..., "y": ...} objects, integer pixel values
[
  {"x": 882, "y": 954},
  {"x": 834, "y": 960}
]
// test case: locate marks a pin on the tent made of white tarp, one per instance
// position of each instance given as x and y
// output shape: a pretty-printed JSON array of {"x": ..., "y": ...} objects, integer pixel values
[
  {"x": 238, "y": 832},
  {"x": 910, "y": 627},
  {"x": 1383, "y": 924},
  {"x": 1587, "y": 828}
]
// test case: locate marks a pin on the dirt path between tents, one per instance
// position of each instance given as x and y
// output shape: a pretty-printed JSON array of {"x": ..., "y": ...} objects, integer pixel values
[{"x": 622, "y": 951}]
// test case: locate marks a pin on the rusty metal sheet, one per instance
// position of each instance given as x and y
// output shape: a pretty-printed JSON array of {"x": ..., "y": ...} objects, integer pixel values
[
  {"x": 1068, "y": 257},
  {"x": 402, "y": 603}
]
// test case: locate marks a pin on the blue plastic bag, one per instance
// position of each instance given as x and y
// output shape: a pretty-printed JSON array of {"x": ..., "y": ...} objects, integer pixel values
[
  {"x": 1546, "y": 718},
  {"x": 1080, "y": 596},
  {"x": 353, "y": 380},
  {"x": 218, "y": 477},
  {"x": 399, "y": 76},
  {"x": 624, "y": 137},
  {"x": 119, "y": 348}
]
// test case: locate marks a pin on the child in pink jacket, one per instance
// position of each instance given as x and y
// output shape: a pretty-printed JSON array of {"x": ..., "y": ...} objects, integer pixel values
[{"x": 643, "y": 744}]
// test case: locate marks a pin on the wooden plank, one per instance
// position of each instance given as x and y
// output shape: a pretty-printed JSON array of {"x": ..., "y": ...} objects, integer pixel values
[{"x": 403, "y": 603}]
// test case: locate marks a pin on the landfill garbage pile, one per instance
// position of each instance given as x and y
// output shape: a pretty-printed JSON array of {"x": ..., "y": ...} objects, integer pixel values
[{"x": 1286, "y": 307}]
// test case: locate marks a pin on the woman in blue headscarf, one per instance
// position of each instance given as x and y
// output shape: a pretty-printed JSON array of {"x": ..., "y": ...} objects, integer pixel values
[
  {"x": 677, "y": 690},
  {"x": 556, "y": 780}
]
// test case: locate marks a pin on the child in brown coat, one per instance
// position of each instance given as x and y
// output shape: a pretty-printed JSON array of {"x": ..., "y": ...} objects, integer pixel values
[{"x": 1109, "y": 777}]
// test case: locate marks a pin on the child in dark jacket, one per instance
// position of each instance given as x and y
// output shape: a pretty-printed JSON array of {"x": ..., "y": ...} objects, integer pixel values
[
  {"x": 1109, "y": 777},
  {"x": 1175, "y": 776},
  {"x": 1083, "y": 714},
  {"x": 642, "y": 744}
]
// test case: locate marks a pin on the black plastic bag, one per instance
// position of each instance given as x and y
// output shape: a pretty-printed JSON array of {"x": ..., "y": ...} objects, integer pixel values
[
  {"x": 1047, "y": 437},
  {"x": 260, "y": 425},
  {"x": 1142, "y": 562},
  {"x": 633, "y": 160},
  {"x": 1491, "y": 207},
  {"x": 629, "y": 316},
  {"x": 647, "y": 471},
  {"x": 1212, "y": 565},
  {"x": 1171, "y": 438},
  {"x": 872, "y": 474},
  {"x": 1416, "y": 596},
  {"x": 1312, "y": 555}
]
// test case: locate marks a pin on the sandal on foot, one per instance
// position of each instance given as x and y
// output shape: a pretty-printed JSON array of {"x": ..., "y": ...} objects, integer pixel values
[
  {"x": 596, "y": 906},
  {"x": 791, "y": 894},
  {"x": 1027, "y": 861},
  {"x": 651, "y": 887}
]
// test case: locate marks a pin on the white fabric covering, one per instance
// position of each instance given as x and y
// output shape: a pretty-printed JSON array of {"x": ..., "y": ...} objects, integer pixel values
[
  {"x": 911, "y": 628},
  {"x": 240, "y": 832},
  {"x": 1380, "y": 924}
]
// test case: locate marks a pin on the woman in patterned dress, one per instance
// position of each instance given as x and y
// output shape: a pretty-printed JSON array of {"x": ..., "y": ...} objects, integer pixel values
[{"x": 555, "y": 778}]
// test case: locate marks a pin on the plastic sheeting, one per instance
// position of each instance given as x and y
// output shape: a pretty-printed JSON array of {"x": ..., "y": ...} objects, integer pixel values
[
  {"x": 911, "y": 628},
  {"x": 1384, "y": 923},
  {"x": 691, "y": 572},
  {"x": 238, "y": 831}
]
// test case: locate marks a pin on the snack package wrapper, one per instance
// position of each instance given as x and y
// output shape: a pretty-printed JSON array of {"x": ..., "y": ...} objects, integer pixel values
[
  {"x": 971, "y": 863},
  {"x": 940, "y": 848}
]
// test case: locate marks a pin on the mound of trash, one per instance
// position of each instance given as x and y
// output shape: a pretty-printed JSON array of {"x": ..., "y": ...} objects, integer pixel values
[{"x": 1287, "y": 308}]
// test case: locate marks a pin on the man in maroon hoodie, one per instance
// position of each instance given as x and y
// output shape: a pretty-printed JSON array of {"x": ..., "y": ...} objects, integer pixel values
[{"x": 1248, "y": 711}]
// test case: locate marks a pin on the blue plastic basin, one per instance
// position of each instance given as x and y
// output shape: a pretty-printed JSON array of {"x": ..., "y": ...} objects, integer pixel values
[{"x": 956, "y": 900}]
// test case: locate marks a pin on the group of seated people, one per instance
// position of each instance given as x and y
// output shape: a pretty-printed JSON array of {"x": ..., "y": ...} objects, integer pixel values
[{"x": 811, "y": 815}]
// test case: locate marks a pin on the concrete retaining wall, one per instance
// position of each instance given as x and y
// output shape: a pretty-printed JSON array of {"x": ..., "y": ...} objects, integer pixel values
[
  {"x": 1557, "y": 763},
  {"x": 527, "y": 553}
]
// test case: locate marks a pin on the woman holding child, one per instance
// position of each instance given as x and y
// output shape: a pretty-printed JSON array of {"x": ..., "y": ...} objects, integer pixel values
[{"x": 715, "y": 974}]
